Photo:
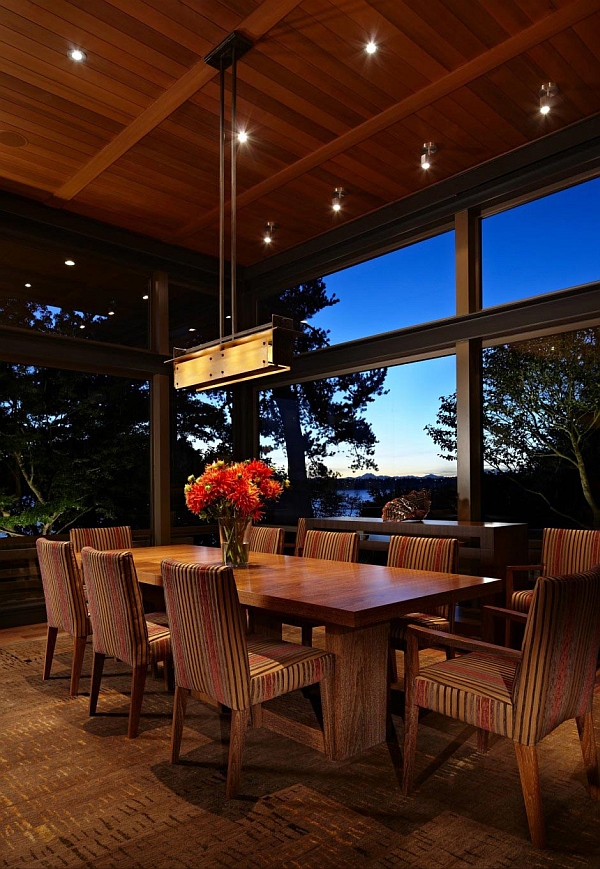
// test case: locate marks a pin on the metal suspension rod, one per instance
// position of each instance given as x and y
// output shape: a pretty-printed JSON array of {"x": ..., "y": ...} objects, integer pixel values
[
  {"x": 221, "y": 198},
  {"x": 233, "y": 192}
]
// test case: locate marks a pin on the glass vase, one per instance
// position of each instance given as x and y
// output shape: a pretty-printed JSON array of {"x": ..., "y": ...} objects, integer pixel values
[{"x": 234, "y": 535}]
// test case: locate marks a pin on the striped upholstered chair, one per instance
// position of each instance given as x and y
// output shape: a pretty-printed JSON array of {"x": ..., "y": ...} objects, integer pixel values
[
  {"x": 328, "y": 546},
  {"x": 66, "y": 608},
  {"x": 117, "y": 537},
  {"x": 120, "y": 628},
  {"x": 300, "y": 535},
  {"x": 523, "y": 695},
  {"x": 564, "y": 550},
  {"x": 265, "y": 539},
  {"x": 423, "y": 553},
  {"x": 214, "y": 656}
]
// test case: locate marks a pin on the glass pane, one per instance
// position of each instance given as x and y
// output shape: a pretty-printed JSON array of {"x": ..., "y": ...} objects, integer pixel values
[
  {"x": 413, "y": 285},
  {"x": 350, "y": 444},
  {"x": 193, "y": 315},
  {"x": 203, "y": 435},
  {"x": 541, "y": 416},
  {"x": 74, "y": 449},
  {"x": 95, "y": 298},
  {"x": 545, "y": 245}
]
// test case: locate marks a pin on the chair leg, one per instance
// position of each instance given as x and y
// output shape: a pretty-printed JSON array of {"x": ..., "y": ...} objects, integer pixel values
[
  {"x": 179, "y": 704},
  {"x": 257, "y": 717},
  {"x": 411, "y": 726},
  {"x": 585, "y": 728},
  {"x": 138, "y": 683},
  {"x": 237, "y": 739},
  {"x": 77, "y": 665},
  {"x": 530, "y": 785},
  {"x": 97, "y": 668},
  {"x": 50, "y": 646},
  {"x": 169, "y": 675},
  {"x": 392, "y": 666},
  {"x": 482, "y": 740}
]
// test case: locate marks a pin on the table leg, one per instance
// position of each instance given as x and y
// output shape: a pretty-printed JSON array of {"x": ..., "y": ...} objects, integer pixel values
[{"x": 359, "y": 702}]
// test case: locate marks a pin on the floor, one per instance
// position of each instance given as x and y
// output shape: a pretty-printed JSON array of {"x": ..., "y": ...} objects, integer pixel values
[{"x": 76, "y": 793}]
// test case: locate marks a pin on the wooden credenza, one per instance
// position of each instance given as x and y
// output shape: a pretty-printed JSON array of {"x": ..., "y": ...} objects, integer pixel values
[{"x": 486, "y": 547}]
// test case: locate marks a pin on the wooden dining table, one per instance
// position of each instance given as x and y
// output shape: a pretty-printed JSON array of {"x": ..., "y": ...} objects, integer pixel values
[{"x": 354, "y": 602}]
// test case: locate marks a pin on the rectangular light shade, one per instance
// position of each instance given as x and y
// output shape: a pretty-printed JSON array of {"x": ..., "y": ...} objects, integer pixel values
[{"x": 245, "y": 356}]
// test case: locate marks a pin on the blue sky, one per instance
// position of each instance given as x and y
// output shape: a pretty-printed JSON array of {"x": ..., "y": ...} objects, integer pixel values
[{"x": 546, "y": 245}]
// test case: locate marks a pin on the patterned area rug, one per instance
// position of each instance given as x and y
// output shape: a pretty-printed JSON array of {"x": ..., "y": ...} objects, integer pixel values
[{"x": 76, "y": 793}]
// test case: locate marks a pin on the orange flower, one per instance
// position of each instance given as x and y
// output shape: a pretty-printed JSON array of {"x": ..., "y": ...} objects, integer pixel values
[{"x": 238, "y": 489}]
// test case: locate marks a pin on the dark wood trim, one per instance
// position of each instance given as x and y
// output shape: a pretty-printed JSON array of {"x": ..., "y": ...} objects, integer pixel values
[
  {"x": 555, "y": 311},
  {"x": 160, "y": 471},
  {"x": 27, "y": 347},
  {"x": 560, "y": 156}
]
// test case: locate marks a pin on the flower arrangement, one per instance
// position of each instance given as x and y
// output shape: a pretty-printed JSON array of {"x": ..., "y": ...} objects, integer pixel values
[
  {"x": 234, "y": 494},
  {"x": 232, "y": 490}
]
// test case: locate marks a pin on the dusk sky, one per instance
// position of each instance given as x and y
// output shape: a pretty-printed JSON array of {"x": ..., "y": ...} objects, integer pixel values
[{"x": 547, "y": 245}]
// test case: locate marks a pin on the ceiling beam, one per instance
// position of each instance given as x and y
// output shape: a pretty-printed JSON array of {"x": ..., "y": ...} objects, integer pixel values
[
  {"x": 484, "y": 63},
  {"x": 259, "y": 22}
]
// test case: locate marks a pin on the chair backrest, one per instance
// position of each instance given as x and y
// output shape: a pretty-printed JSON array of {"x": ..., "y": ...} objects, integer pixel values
[
  {"x": 208, "y": 634},
  {"x": 63, "y": 588},
  {"x": 423, "y": 553},
  {"x": 117, "y": 537},
  {"x": 331, "y": 545},
  {"x": 265, "y": 539},
  {"x": 116, "y": 607},
  {"x": 568, "y": 550},
  {"x": 300, "y": 535},
  {"x": 555, "y": 679}
]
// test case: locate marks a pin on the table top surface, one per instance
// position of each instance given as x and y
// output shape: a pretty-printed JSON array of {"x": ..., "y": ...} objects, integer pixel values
[{"x": 330, "y": 592}]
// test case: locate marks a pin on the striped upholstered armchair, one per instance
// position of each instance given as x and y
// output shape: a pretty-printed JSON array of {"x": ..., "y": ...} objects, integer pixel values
[
  {"x": 214, "y": 656},
  {"x": 66, "y": 608},
  {"x": 266, "y": 539},
  {"x": 328, "y": 546},
  {"x": 116, "y": 537},
  {"x": 422, "y": 553},
  {"x": 564, "y": 550},
  {"x": 120, "y": 628},
  {"x": 523, "y": 695}
]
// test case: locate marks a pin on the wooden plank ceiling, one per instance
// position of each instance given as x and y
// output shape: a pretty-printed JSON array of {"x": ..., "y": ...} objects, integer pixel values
[{"x": 130, "y": 136}]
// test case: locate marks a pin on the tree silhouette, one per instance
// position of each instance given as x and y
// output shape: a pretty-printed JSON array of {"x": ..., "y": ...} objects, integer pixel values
[
  {"x": 541, "y": 417},
  {"x": 316, "y": 420}
]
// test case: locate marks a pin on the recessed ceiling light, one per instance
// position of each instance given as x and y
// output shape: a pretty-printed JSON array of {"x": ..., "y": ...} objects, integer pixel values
[
  {"x": 145, "y": 298},
  {"x": 242, "y": 136},
  {"x": 82, "y": 327},
  {"x": 228, "y": 317},
  {"x": 191, "y": 329},
  {"x": 77, "y": 55},
  {"x": 28, "y": 285},
  {"x": 69, "y": 262},
  {"x": 371, "y": 47},
  {"x": 111, "y": 313}
]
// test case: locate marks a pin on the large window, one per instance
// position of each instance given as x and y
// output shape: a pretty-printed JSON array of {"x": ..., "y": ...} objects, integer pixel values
[
  {"x": 415, "y": 284},
  {"x": 74, "y": 450},
  {"x": 56, "y": 288},
  {"x": 548, "y": 244},
  {"x": 351, "y": 443}
]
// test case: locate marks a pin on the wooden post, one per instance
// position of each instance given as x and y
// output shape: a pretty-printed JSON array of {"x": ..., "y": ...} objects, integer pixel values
[
  {"x": 469, "y": 398},
  {"x": 159, "y": 413}
]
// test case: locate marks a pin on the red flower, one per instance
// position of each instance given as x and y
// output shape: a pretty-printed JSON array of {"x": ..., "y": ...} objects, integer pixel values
[{"x": 238, "y": 489}]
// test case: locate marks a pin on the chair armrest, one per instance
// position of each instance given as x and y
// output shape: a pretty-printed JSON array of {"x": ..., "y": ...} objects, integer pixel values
[
  {"x": 511, "y": 569},
  {"x": 444, "y": 639},
  {"x": 490, "y": 612}
]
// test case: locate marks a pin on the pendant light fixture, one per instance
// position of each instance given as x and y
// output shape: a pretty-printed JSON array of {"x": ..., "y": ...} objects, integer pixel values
[{"x": 261, "y": 350}]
